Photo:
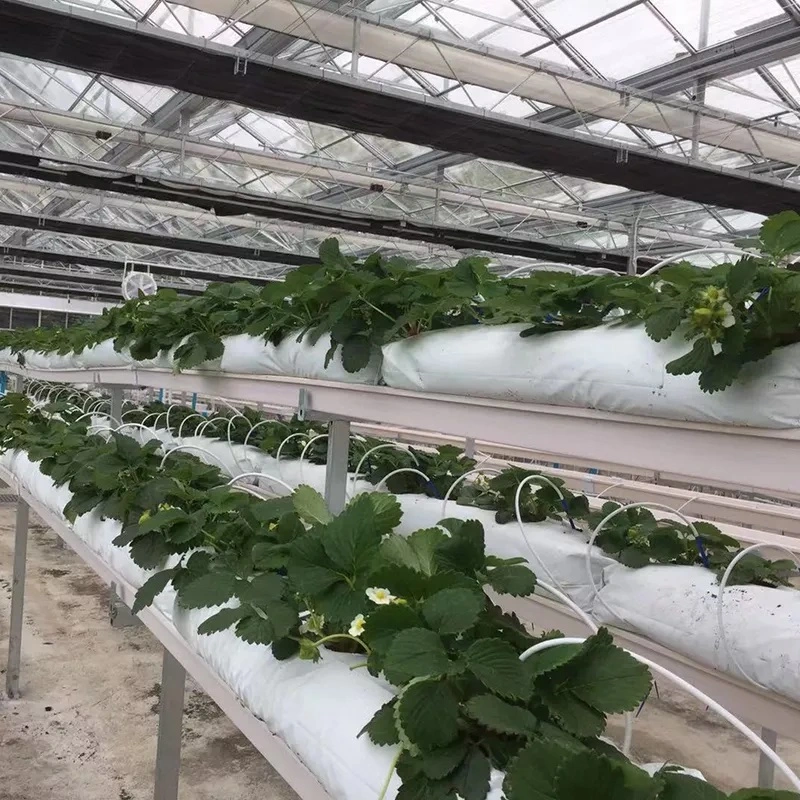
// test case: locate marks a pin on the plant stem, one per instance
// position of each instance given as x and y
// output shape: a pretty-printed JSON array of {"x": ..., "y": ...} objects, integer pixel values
[
  {"x": 385, "y": 789},
  {"x": 343, "y": 636}
]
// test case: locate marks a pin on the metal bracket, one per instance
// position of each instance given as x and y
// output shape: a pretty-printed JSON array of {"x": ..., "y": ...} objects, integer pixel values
[
  {"x": 240, "y": 66},
  {"x": 119, "y": 615},
  {"x": 622, "y": 155},
  {"x": 303, "y": 404}
]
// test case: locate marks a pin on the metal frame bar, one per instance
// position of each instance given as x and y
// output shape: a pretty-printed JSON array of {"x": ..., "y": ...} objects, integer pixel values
[
  {"x": 336, "y": 465},
  {"x": 700, "y": 451},
  {"x": 170, "y": 726},
  {"x": 17, "y": 598}
]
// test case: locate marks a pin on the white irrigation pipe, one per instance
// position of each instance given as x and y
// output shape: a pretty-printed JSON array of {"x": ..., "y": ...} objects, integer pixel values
[
  {"x": 185, "y": 420},
  {"x": 305, "y": 450},
  {"x": 200, "y": 430},
  {"x": 285, "y": 485},
  {"x": 733, "y": 251},
  {"x": 547, "y": 265},
  {"x": 476, "y": 471},
  {"x": 395, "y": 445},
  {"x": 385, "y": 478},
  {"x": 253, "y": 427},
  {"x": 694, "y": 692},
  {"x": 138, "y": 425},
  {"x": 722, "y": 585},
  {"x": 192, "y": 447},
  {"x": 603, "y": 522},
  {"x": 282, "y": 445}
]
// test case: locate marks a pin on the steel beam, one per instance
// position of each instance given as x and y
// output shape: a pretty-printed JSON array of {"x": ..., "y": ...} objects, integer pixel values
[{"x": 75, "y": 38}]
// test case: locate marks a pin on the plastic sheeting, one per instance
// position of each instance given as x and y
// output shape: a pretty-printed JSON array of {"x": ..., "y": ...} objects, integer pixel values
[{"x": 611, "y": 368}]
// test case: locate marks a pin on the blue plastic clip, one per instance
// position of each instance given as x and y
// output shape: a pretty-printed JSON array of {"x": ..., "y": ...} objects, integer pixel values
[
  {"x": 702, "y": 551},
  {"x": 571, "y": 521},
  {"x": 194, "y": 401},
  {"x": 430, "y": 485}
]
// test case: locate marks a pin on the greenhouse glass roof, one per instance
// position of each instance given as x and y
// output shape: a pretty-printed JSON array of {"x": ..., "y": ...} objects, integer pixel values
[{"x": 233, "y": 136}]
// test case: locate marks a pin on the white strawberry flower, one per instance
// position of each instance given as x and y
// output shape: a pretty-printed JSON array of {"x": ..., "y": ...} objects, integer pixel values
[
  {"x": 357, "y": 625},
  {"x": 728, "y": 320},
  {"x": 716, "y": 347},
  {"x": 381, "y": 597}
]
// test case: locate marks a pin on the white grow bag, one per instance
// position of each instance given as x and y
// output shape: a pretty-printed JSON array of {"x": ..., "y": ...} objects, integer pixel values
[
  {"x": 677, "y": 607},
  {"x": 610, "y": 368},
  {"x": 251, "y": 355}
]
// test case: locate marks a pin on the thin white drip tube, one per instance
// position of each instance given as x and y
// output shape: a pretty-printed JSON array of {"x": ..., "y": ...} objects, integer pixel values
[
  {"x": 305, "y": 450},
  {"x": 694, "y": 692},
  {"x": 476, "y": 471},
  {"x": 237, "y": 478},
  {"x": 195, "y": 448},
  {"x": 385, "y": 478},
  {"x": 281, "y": 446},
  {"x": 385, "y": 446}
]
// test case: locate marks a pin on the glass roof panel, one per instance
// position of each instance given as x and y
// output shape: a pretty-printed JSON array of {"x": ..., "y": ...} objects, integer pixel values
[{"x": 604, "y": 44}]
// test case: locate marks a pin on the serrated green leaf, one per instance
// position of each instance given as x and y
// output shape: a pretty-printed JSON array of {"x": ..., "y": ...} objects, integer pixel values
[
  {"x": 696, "y": 360},
  {"x": 356, "y": 353},
  {"x": 496, "y": 665},
  {"x": 149, "y": 551},
  {"x": 532, "y": 774},
  {"x": 428, "y": 714},
  {"x": 310, "y": 568},
  {"x": 222, "y": 620},
  {"x": 516, "y": 580},
  {"x": 465, "y": 549},
  {"x": 385, "y": 622},
  {"x": 387, "y": 511},
  {"x": 381, "y": 729},
  {"x": 605, "y": 677},
  {"x": 414, "y": 653},
  {"x": 162, "y": 519},
  {"x": 275, "y": 622},
  {"x": 351, "y": 540},
  {"x": 574, "y": 716},
  {"x": 452, "y": 611},
  {"x": 263, "y": 589},
  {"x": 740, "y": 278},
  {"x": 685, "y": 787},
  {"x": 663, "y": 322},
  {"x": 310, "y": 505},
  {"x": 151, "y": 588},
  {"x": 440, "y": 763},
  {"x": 495, "y": 714},
  {"x": 417, "y": 551},
  {"x": 211, "y": 589},
  {"x": 547, "y": 660},
  {"x": 591, "y": 775},
  {"x": 472, "y": 777}
]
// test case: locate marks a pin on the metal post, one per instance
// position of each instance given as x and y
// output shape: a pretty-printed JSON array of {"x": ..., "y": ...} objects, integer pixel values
[
  {"x": 119, "y": 615},
  {"x": 356, "y": 46},
  {"x": 469, "y": 448},
  {"x": 170, "y": 724},
  {"x": 766, "y": 769},
  {"x": 116, "y": 404},
  {"x": 700, "y": 88},
  {"x": 336, "y": 468},
  {"x": 633, "y": 246},
  {"x": 17, "y": 599},
  {"x": 19, "y": 383}
]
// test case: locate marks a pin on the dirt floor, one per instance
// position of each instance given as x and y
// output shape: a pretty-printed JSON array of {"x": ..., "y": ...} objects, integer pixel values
[{"x": 85, "y": 728}]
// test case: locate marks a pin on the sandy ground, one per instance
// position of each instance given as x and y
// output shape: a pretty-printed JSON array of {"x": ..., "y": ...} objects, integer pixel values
[{"x": 85, "y": 728}]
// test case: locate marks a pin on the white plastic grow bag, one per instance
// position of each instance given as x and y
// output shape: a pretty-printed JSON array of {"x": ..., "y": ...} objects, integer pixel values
[
  {"x": 610, "y": 368},
  {"x": 250, "y": 355},
  {"x": 677, "y": 607}
]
